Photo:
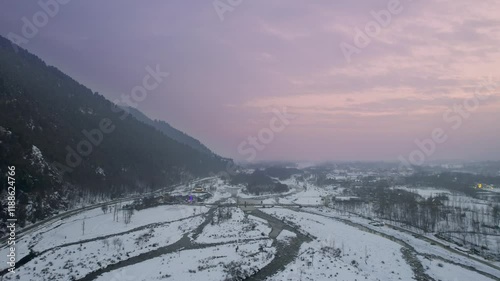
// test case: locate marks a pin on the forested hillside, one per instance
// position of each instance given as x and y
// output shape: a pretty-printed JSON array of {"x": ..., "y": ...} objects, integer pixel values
[
  {"x": 66, "y": 141},
  {"x": 169, "y": 131}
]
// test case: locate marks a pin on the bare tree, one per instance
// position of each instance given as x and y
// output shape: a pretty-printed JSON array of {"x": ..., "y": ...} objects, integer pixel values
[
  {"x": 83, "y": 226},
  {"x": 115, "y": 212},
  {"x": 326, "y": 201},
  {"x": 127, "y": 215},
  {"x": 117, "y": 243},
  {"x": 106, "y": 243},
  {"x": 366, "y": 255},
  {"x": 498, "y": 245}
]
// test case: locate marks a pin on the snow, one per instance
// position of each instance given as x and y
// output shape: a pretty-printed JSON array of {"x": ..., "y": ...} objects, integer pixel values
[
  {"x": 239, "y": 227},
  {"x": 82, "y": 258},
  {"x": 345, "y": 198},
  {"x": 36, "y": 153},
  {"x": 338, "y": 250},
  {"x": 422, "y": 246},
  {"x": 425, "y": 192},
  {"x": 97, "y": 224},
  {"x": 311, "y": 195},
  {"x": 37, "y": 158},
  {"x": 200, "y": 264},
  {"x": 100, "y": 171},
  {"x": 286, "y": 236},
  {"x": 4, "y": 131},
  {"x": 440, "y": 270},
  {"x": 375, "y": 258}
]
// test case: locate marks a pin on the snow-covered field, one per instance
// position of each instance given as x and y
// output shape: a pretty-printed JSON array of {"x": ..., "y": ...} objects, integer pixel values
[
  {"x": 238, "y": 227},
  {"x": 80, "y": 259},
  {"x": 422, "y": 247},
  {"x": 95, "y": 223},
  {"x": 210, "y": 264},
  {"x": 454, "y": 199},
  {"x": 71, "y": 249},
  {"x": 362, "y": 255},
  {"x": 440, "y": 270},
  {"x": 425, "y": 192},
  {"x": 234, "y": 243},
  {"x": 466, "y": 202},
  {"x": 285, "y": 236},
  {"x": 244, "y": 249},
  {"x": 309, "y": 194}
]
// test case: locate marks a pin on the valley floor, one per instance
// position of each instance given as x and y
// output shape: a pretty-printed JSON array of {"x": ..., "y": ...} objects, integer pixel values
[{"x": 210, "y": 242}]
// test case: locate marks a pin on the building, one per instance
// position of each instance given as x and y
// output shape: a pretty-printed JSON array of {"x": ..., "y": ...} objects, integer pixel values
[{"x": 199, "y": 189}]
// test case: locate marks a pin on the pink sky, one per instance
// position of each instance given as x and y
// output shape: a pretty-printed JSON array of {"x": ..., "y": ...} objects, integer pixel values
[{"x": 227, "y": 76}]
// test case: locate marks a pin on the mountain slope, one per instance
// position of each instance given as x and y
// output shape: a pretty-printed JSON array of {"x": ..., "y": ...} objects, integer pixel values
[
  {"x": 169, "y": 131},
  {"x": 51, "y": 130}
]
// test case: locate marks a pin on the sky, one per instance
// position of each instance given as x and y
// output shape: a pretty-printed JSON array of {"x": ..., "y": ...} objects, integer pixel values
[{"x": 359, "y": 80}]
